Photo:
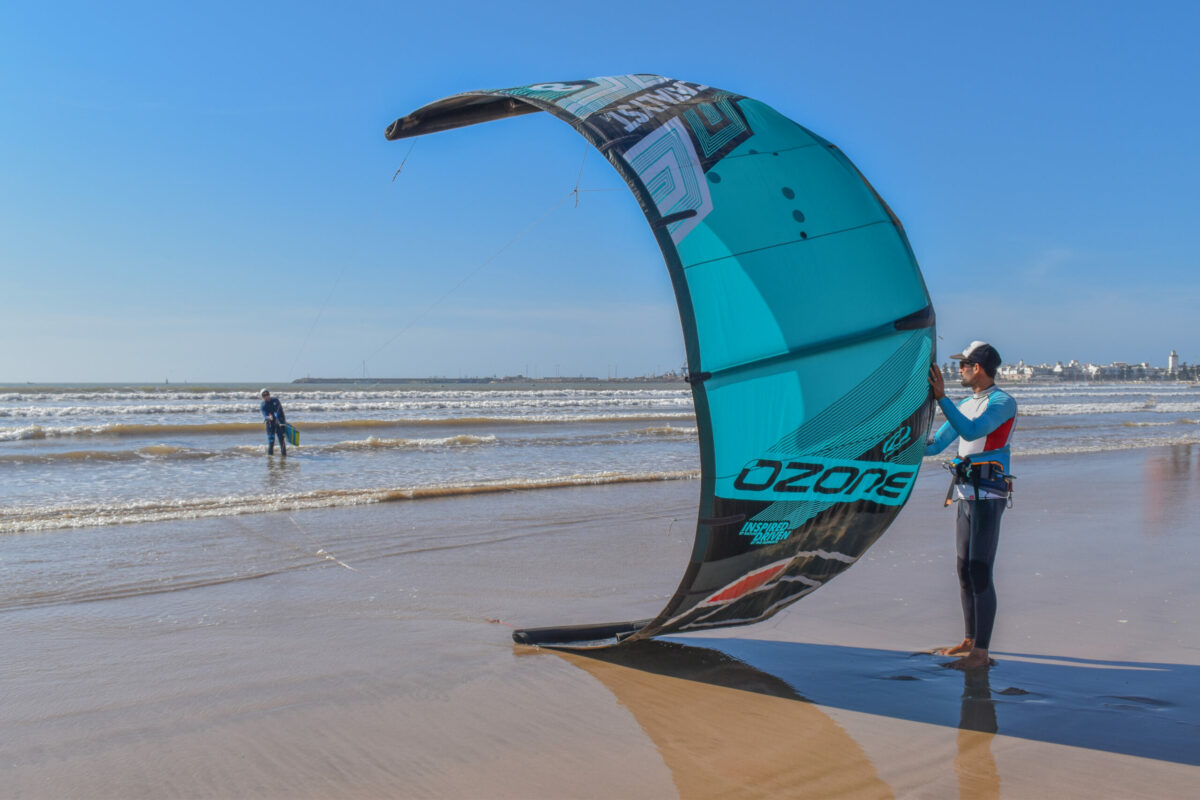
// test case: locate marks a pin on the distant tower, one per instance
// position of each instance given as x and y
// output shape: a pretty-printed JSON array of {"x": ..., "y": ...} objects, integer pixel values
[{"x": 1173, "y": 363}]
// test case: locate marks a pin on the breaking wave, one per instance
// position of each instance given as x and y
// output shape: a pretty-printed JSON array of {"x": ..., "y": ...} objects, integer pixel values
[
  {"x": 122, "y": 429},
  {"x": 82, "y": 515}
]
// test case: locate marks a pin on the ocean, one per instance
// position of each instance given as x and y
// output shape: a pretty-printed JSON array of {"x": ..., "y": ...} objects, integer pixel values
[{"x": 75, "y": 456}]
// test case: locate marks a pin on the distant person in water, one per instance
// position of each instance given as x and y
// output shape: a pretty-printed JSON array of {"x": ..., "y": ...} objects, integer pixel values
[
  {"x": 272, "y": 411},
  {"x": 983, "y": 424}
]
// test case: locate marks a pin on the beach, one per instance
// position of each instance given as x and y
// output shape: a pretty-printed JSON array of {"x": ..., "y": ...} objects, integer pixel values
[{"x": 365, "y": 651}]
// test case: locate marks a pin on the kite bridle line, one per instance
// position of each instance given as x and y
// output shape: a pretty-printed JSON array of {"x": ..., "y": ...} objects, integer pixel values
[
  {"x": 575, "y": 193},
  {"x": 372, "y": 220},
  {"x": 320, "y": 553},
  {"x": 422, "y": 314}
]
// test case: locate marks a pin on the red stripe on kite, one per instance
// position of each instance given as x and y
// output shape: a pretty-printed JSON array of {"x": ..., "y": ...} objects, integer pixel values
[{"x": 747, "y": 584}]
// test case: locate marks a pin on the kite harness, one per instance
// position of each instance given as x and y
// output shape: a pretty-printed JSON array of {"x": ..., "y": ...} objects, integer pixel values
[{"x": 986, "y": 475}]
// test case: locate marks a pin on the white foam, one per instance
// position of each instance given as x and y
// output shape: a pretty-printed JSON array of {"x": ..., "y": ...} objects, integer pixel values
[
  {"x": 17, "y": 519},
  {"x": 23, "y": 433}
]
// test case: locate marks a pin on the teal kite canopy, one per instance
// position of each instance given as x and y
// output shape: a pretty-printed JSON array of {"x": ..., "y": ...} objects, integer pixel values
[{"x": 808, "y": 328}]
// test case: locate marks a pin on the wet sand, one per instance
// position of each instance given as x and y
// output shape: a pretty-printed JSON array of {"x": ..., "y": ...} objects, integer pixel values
[{"x": 366, "y": 652}]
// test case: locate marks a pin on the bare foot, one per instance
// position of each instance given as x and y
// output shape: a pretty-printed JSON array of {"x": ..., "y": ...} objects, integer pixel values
[
  {"x": 960, "y": 649},
  {"x": 975, "y": 659}
]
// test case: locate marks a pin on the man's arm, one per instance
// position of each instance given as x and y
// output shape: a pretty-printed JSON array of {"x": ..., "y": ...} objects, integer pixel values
[
  {"x": 945, "y": 434},
  {"x": 1000, "y": 410},
  {"x": 941, "y": 440}
]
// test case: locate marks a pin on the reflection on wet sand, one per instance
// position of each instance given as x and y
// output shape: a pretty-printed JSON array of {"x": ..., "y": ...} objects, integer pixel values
[
  {"x": 743, "y": 717},
  {"x": 974, "y": 764},
  {"x": 1168, "y": 484},
  {"x": 727, "y": 729}
]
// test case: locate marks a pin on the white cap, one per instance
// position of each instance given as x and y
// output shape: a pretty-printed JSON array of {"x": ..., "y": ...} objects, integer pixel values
[{"x": 268, "y": 391}]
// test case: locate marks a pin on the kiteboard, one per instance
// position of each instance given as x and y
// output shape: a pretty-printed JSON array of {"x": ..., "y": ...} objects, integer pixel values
[
  {"x": 292, "y": 435},
  {"x": 808, "y": 327}
]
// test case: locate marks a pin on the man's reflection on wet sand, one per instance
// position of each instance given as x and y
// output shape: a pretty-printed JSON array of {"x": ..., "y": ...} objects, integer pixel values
[{"x": 974, "y": 764}]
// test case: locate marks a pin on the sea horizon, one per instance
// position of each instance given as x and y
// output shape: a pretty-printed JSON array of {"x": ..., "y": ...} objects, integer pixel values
[{"x": 513, "y": 380}]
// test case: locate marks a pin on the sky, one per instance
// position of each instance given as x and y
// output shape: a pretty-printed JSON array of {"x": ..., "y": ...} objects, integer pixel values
[{"x": 202, "y": 191}]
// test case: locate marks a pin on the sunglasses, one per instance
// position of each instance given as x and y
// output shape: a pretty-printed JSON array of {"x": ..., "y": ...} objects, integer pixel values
[{"x": 966, "y": 364}]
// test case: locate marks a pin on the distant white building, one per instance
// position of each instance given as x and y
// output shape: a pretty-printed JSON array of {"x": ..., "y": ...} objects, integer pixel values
[
  {"x": 1018, "y": 372},
  {"x": 1075, "y": 370}
]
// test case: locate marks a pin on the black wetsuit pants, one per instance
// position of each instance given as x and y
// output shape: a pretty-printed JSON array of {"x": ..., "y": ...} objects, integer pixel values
[
  {"x": 978, "y": 533},
  {"x": 276, "y": 429}
]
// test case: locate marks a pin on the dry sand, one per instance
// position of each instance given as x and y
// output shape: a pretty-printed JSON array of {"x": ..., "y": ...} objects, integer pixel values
[{"x": 392, "y": 673}]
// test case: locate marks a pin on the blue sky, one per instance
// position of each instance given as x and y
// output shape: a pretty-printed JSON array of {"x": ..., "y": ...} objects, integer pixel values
[{"x": 202, "y": 191}]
